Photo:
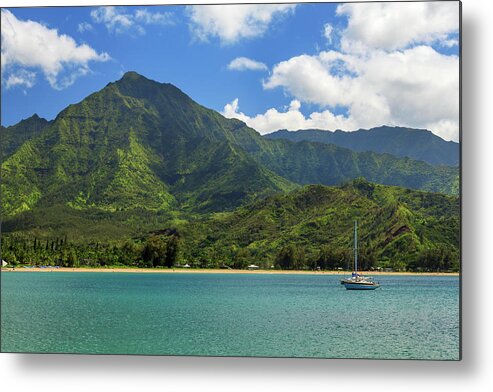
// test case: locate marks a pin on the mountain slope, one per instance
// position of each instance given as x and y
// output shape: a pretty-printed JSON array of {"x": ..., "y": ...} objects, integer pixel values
[
  {"x": 398, "y": 228},
  {"x": 134, "y": 144},
  {"x": 417, "y": 144},
  {"x": 11, "y": 138},
  {"x": 139, "y": 144},
  {"x": 395, "y": 224},
  {"x": 328, "y": 164}
]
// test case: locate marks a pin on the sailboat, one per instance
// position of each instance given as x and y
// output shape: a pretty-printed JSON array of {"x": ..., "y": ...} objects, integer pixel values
[{"x": 357, "y": 281}]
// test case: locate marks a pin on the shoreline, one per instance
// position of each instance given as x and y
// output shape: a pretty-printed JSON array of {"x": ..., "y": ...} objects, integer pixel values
[{"x": 222, "y": 271}]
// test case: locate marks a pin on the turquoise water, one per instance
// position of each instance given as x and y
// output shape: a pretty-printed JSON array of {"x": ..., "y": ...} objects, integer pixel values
[{"x": 229, "y": 315}]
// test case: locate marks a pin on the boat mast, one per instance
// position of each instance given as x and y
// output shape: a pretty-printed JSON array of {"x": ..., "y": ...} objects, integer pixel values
[{"x": 355, "y": 246}]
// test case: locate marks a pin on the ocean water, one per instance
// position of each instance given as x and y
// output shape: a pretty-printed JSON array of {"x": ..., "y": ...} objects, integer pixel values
[{"x": 409, "y": 317}]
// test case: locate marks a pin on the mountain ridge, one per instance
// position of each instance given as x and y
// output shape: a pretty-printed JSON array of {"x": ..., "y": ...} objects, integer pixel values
[
  {"x": 138, "y": 143},
  {"x": 12, "y": 137},
  {"x": 417, "y": 144}
]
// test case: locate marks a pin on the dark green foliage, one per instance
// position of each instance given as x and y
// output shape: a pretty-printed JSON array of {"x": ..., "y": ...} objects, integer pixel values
[
  {"x": 330, "y": 258},
  {"x": 161, "y": 251},
  {"x": 291, "y": 257},
  {"x": 395, "y": 225},
  {"x": 308, "y": 228},
  {"x": 154, "y": 251},
  {"x": 438, "y": 259},
  {"x": 417, "y": 144}
]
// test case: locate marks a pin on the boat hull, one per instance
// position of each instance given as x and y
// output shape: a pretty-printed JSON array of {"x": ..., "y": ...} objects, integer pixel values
[{"x": 361, "y": 286}]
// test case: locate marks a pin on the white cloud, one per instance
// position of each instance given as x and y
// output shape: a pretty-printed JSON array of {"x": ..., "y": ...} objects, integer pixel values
[
  {"x": 21, "y": 78},
  {"x": 449, "y": 43},
  {"x": 391, "y": 26},
  {"x": 314, "y": 79},
  {"x": 84, "y": 26},
  {"x": 115, "y": 19},
  {"x": 158, "y": 18},
  {"x": 416, "y": 87},
  {"x": 246, "y": 64},
  {"x": 327, "y": 32},
  {"x": 385, "y": 73},
  {"x": 29, "y": 45},
  {"x": 118, "y": 20},
  {"x": 231, "y": 23},
  {"x": 292, "y": 119}
]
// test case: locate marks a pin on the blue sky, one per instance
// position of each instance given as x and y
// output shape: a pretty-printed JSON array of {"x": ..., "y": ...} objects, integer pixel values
[{"x": 309, "y": 65}]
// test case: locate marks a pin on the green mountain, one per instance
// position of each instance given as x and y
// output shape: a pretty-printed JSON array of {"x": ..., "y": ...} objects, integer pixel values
[
  {"x": 396, "y": 226},
  {"x": 417, "y": 144},
  {"x": 142, "y": 145},
  {"x": 308, "y": 227},
  {"x": 11, "y": 138},
  {"x": 135, "y": 144},
  {"x": 139, "y": 173},
  {"x": 327, "y": 164}
]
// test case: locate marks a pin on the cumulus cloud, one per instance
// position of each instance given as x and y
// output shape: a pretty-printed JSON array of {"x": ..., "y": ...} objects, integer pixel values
[
  {"x": 118, "y": 20},
  {"x": 246, "y": 64},
  {"x": 231, "y": 23},
  {"x": 385, "y": 72},
  {"x": 449, "y": 43},
  {"x": 291, "y": 119},
  {"x": 28, "y": 46},
  {"x": 416, "y": 87},
  {"x": 391, "y": 26}
]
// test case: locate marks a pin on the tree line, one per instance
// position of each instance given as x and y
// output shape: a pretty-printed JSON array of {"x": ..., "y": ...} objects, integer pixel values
[
  {"x": 168, "y": 249},
  {"x": 155, "y": 251}
]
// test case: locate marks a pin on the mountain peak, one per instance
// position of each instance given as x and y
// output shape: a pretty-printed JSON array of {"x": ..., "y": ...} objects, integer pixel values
[
  {"x": 34, "y": 119},
  {"x": 139, "y": 86},
  {"x": 132, "y": 75}
]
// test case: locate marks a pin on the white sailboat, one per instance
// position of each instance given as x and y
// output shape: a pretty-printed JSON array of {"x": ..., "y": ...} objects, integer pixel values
[{"x": 357, "y": 281}]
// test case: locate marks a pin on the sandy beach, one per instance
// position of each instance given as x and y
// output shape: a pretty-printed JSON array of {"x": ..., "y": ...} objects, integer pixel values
[{"x": 219, "y": 271}]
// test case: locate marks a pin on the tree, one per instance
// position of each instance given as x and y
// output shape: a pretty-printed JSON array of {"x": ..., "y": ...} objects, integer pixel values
[
  {"x": 285, "y": 257},
  {"x": 172, "y": 249},
  {"x": 291, "y": 257},
  {"x": 332, "y": 259},
  {"x": 242, "y": 258},
  {"x": 161, "y": 250}
]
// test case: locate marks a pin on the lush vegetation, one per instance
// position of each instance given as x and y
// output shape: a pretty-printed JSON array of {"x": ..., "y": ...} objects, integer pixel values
[
  {"x": 139, "y": 174},
  {"x": 312, "y": 227},
  {"x": 155, "y": 251},
  {"x": 308, "y": 228},
  {"x": 141, "y": 144},
  {"x": 417, "y": 144},
  {"x": 14, "y": 136}
]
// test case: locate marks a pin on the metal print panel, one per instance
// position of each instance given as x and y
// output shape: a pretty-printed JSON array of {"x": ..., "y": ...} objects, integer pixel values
[{"x": 264, "y": 180}]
